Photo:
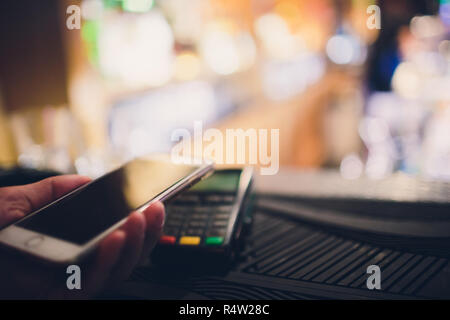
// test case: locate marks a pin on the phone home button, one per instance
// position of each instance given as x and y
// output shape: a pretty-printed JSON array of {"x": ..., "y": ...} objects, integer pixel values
[{"x": 34, "y": 241}]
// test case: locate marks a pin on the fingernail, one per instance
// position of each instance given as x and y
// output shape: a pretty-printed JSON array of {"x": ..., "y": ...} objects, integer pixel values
[{"x": 160, "y": 219}]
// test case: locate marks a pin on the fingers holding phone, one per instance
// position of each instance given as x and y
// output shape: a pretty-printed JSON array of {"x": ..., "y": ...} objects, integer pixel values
[
  {"x": 73, "y": 225},
  {"x": 95, "y": 217}
]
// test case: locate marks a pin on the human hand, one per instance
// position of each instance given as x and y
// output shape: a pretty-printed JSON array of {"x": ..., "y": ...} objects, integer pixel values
[{"x": 112, "y": 263}]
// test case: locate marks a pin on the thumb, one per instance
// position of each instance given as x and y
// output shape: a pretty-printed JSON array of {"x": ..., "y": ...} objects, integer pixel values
[{"x": 18, "y": 201}]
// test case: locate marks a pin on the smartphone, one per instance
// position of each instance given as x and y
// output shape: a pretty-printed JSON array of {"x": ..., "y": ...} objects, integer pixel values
[{"x": 67, "y": 229}]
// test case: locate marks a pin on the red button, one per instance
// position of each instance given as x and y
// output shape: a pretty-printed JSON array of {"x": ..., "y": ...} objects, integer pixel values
[{"x": 167, "y": 240}]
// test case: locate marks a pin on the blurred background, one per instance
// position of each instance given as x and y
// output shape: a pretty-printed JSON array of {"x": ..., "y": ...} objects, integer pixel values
[{"x": 367, "y": 102}]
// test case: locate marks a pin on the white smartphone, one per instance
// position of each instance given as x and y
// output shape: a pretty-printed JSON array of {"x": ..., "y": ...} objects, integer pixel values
[{"x": 67, "y": 229}]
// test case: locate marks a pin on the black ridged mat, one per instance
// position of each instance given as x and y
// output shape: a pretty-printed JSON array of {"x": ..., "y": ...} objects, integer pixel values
[{"x": 288, "y": 259}]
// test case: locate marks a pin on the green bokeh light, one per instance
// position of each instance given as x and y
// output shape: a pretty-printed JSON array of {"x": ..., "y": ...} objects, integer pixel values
[{"x": 137, "y": 5}]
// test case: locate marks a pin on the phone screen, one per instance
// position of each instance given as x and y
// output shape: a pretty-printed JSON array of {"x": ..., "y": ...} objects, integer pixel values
[{"x": 86, "y": 213}]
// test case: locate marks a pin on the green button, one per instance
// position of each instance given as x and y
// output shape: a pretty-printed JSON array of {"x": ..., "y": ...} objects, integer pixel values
[{"x": 214, "y": 241}]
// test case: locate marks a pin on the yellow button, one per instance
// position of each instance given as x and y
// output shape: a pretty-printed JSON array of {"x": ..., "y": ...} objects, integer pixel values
[{"x": 193, "y": 241}]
